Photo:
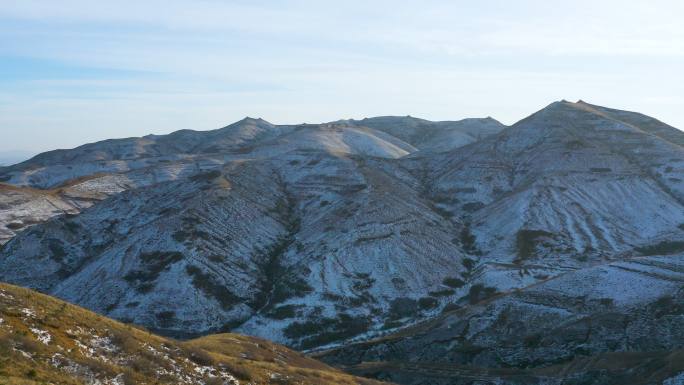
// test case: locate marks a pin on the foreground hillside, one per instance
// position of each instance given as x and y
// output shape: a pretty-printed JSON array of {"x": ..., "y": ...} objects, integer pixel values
[{"x": 45, "y": 340}]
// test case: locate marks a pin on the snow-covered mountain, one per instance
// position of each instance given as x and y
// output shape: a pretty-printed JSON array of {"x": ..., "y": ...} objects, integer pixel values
[{"x": 313, "y": 235}]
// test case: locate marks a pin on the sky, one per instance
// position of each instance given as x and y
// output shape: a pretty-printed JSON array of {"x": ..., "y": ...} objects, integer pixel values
[{"x": 78, "y": 71}]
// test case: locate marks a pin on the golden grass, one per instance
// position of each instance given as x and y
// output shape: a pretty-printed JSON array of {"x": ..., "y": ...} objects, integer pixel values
[{"x": 84, "y": 344}]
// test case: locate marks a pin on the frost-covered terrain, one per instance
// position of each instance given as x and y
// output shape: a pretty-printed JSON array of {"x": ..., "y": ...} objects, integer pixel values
[
  {"x": 320, "y": 235},
  {"x": 635, "y": 305},
  {"x": 253, "y": 227}
]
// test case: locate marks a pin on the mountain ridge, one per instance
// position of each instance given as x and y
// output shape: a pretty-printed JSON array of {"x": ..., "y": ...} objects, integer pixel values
[{"x": 322, "y": 235}]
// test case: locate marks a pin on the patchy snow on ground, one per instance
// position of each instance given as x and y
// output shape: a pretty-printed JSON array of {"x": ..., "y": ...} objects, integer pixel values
[
  {"x": 42, "y": 335},
  {"x": 676, "y": 380}
]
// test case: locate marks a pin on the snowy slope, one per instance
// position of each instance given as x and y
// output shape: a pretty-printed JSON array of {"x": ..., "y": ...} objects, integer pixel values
[
  {"x": 617, "y": 314},
  {"x": 595, "y": 186},
  {"x": 433, "y": 136},
  {"x": 322, "y": 234}
]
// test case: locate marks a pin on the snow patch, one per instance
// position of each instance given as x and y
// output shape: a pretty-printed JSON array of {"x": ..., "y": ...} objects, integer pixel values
[
  {"x": 676, "y": 380},
  {"x": 42, "y": 335}
]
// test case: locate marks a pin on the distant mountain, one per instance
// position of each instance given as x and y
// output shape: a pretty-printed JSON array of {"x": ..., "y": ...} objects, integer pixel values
[
  {"x": 579, "y": 226},
  {"x": 320, "y": 236},
  {"x": 45, "y": 340},
  {"x": 569, "y": 183},
  {"x": 433, "y": 136},
  {"x": 8, "y": 158},
  {"x": 247, "y": 139}
]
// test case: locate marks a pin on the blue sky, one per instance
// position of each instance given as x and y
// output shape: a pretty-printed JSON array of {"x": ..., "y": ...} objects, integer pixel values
[{"x": 76, "y": 71}]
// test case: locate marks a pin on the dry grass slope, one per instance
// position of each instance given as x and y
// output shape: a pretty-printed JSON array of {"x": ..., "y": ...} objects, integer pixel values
[{"x": 47, "y": 341}]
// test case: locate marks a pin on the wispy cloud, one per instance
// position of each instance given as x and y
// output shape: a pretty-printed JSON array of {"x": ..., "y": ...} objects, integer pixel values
[{"x": 100, "y": 69}]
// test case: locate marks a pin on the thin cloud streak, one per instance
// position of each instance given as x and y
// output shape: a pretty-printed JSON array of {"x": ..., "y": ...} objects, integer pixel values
[{"x": 179, "y": 64}]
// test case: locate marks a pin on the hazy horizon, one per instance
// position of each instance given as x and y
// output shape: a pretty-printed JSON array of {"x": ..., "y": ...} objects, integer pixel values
[{"x": 78, "y": 72}]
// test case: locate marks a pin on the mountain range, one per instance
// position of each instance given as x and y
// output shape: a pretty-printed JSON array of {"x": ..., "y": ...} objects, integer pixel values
[{"x": 545, "y": 252}]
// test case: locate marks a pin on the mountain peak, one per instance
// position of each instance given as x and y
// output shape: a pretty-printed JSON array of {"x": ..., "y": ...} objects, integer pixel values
[
  {"x": 247, "y": 121},
  {"x": 250, "y": 120},
  {"x": 553, "y": 110}
]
